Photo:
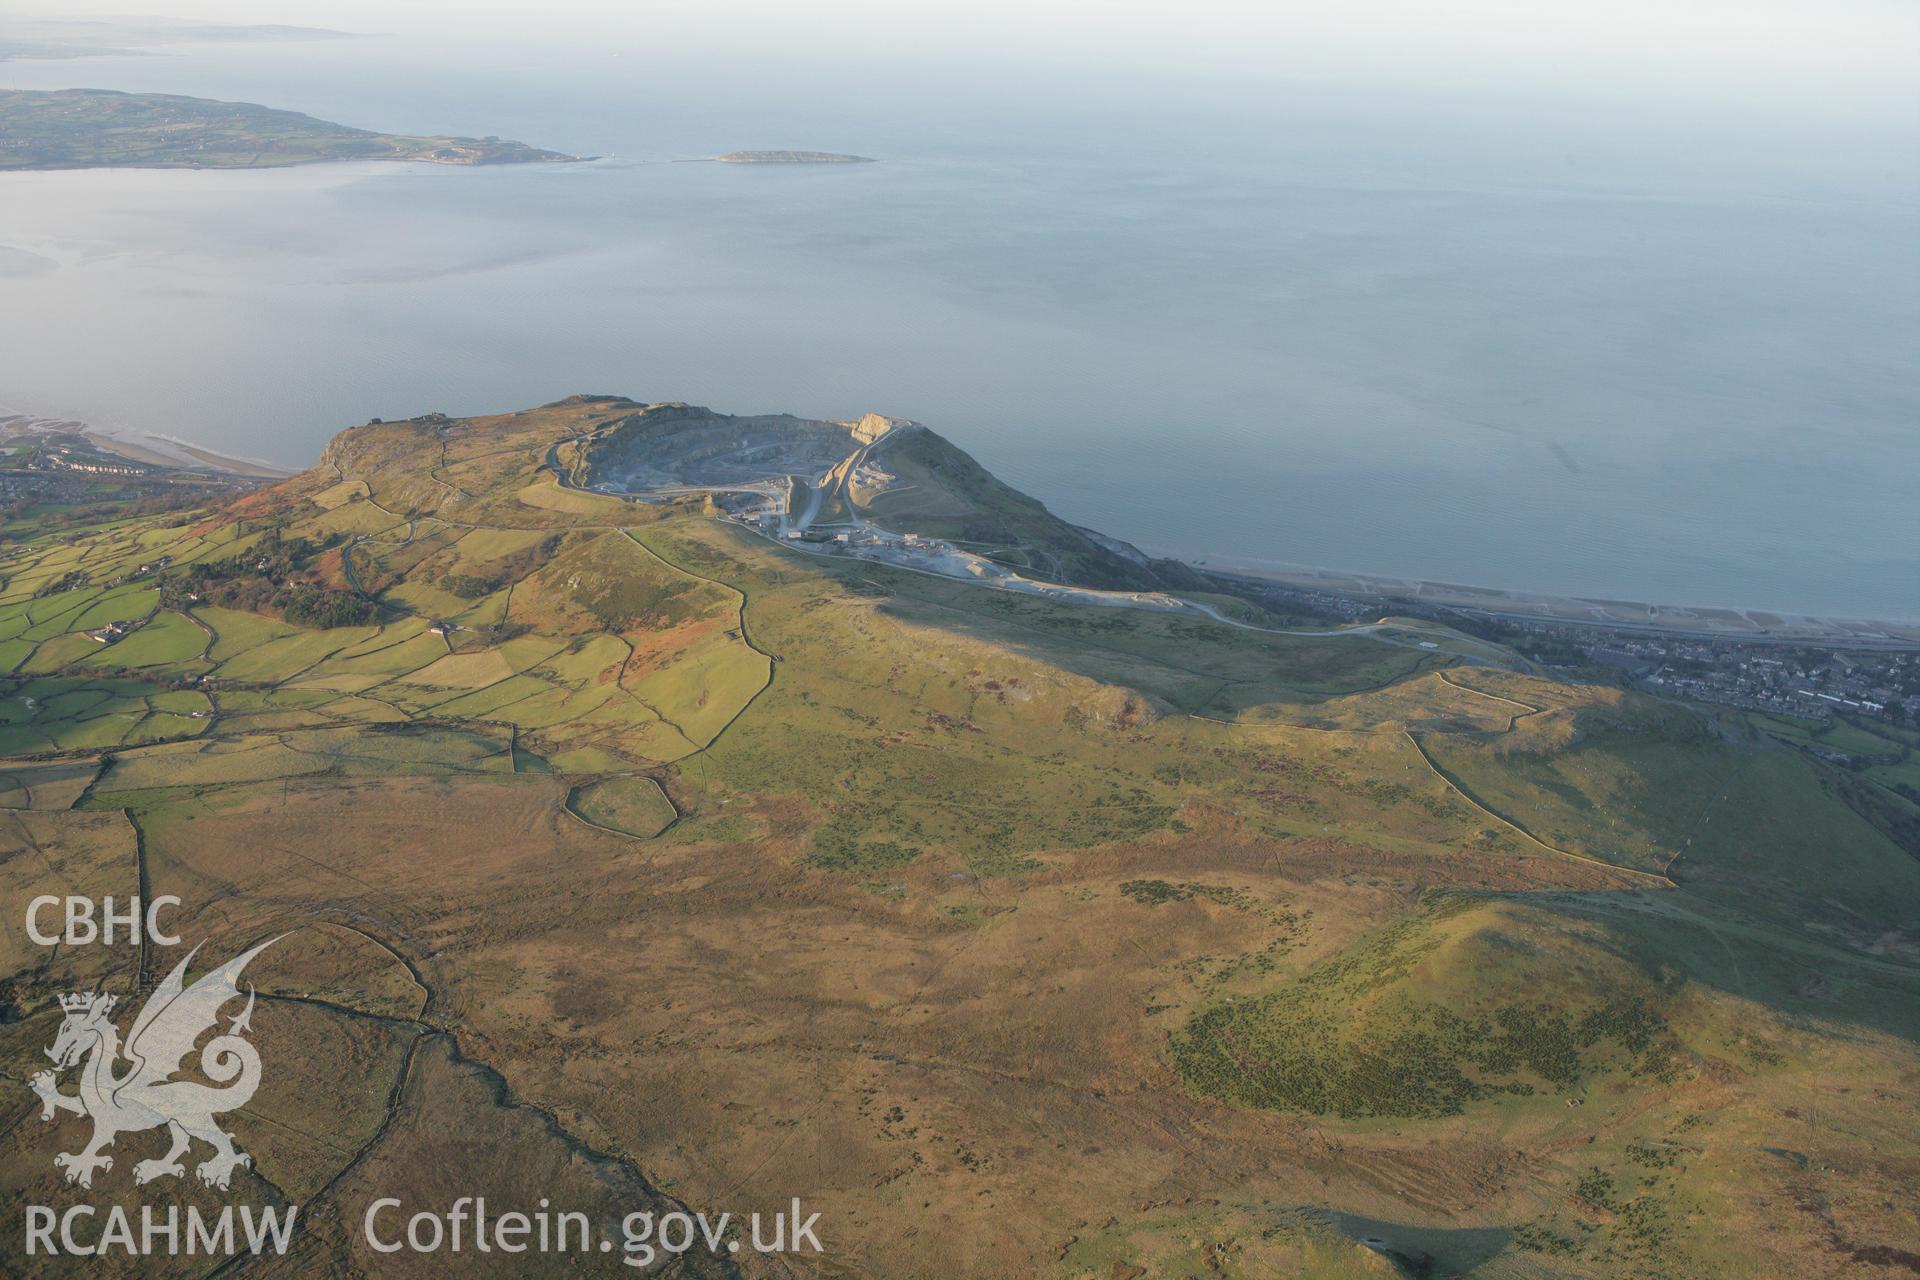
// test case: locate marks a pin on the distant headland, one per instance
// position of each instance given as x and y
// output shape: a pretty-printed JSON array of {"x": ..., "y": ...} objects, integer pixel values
[
  {"x": 790, "y": 157},
  {"x": 102, "y": 128}
]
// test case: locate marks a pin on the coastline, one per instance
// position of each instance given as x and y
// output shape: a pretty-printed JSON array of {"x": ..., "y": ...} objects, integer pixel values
[
  {"x": 88, "y": 128},
  {"x": 1706, "y": 622},
  {"x": 249, "y": 467},
  {"x": 140, "y": 446},
  {"x": 190, "y": 167}
]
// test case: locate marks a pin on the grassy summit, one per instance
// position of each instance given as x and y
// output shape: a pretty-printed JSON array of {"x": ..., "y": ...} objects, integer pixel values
[
  {"x": 98, "y": 128},
  {"x": 1069, "y": 939}
]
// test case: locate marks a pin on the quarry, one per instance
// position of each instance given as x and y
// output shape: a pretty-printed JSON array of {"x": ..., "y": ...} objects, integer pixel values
[{"x": 811, "y": 486}]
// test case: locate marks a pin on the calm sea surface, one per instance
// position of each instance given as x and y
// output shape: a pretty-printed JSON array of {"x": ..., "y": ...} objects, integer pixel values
[{"x": 1239, "y": 326}]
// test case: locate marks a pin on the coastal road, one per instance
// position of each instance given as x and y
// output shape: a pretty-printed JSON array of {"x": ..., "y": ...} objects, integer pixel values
[{"x": 1375, "y": 630}]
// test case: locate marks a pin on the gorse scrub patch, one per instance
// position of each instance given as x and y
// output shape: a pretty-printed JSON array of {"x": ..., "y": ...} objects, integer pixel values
[
  {"x": 468, "y": 586},
  {"x": 1155, "y": 891},
  {"x": 1379, "y": 1031},
  {"x": 277, "y": 576},
  {"x": 837, "y": 850}
]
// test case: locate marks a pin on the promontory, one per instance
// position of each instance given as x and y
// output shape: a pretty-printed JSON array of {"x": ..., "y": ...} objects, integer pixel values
[{"x": 102, "y": 128}]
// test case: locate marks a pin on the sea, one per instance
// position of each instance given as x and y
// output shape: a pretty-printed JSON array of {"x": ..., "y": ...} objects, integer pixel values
[{"x": 1635, "y": 354}]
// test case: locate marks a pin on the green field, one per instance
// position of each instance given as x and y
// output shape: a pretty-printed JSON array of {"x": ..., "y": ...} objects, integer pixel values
[
  {"x": 1837, "y": 734},
  {"x": 631, "y": 806}
]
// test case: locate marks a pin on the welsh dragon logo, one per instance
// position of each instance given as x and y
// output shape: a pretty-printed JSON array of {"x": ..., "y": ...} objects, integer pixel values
[{"x": 144, "y": 1095}]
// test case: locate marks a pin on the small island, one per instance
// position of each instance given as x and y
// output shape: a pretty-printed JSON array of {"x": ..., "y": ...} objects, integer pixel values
[
  {"x": 791, "y": 157},
  {"x": 102, "y": 128}
]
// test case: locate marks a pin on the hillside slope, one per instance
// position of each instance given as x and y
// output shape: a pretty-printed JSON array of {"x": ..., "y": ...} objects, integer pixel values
[{"x": 621, "y": 849}]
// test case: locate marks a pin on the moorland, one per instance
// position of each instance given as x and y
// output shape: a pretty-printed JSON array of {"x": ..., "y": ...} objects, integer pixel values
[{"x": 627, "y": 855}]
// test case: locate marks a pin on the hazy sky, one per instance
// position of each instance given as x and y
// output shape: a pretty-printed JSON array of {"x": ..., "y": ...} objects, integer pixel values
[{"x": 1807, "y": 55}]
